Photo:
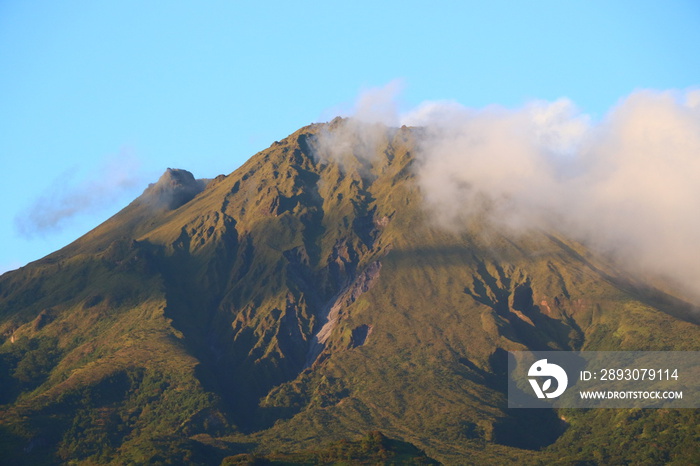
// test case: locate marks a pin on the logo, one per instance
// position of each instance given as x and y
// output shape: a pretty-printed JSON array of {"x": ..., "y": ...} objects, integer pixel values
[{"x": 542, "y": 368}]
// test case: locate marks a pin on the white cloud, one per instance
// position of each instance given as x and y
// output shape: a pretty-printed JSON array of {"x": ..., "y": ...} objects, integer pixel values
[
  {"x": 66, "y": 198},
  {"x": 374, "y": 109},
  {"x": 379, "y": 104},
  {"x": 628, "y": 186}
]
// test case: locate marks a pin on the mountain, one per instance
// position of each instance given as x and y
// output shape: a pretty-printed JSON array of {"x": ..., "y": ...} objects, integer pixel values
[{"x": 305, "y": 299}]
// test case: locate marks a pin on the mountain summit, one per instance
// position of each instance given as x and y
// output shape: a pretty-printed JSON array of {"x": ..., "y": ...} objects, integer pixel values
[{"x": 309, "y": 297}]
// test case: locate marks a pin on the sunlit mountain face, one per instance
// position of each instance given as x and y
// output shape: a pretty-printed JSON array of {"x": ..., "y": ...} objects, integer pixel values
[{"x": 313, "y": 296}]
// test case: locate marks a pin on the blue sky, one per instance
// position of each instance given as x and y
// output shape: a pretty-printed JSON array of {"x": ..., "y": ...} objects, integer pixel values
[{"x": 203, "y": 86}]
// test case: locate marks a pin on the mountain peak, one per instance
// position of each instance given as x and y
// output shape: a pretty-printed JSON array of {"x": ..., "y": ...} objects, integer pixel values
[
  {"x": 305, "y": 295},
  {"x": 173, "y": 189}
]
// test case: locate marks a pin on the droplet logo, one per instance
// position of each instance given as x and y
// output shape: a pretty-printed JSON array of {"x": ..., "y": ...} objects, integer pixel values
[{"x": 542, "y": 368}]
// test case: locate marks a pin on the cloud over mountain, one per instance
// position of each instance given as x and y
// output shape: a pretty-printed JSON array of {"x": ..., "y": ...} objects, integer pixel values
[
  {"x": 67, "y": 198},
  {"x": 627, "y": 185}
]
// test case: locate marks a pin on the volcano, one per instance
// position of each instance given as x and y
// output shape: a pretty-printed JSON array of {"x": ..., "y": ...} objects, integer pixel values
[{"x": 305, "y": 299}]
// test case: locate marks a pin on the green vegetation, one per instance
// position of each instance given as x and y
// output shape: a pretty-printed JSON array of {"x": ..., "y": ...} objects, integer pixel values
[
  {"x": 631, "y": 436},
  {"x": 374, "y": 448},
  {"x": 299, "y": 302},
  {"x": 26, "y": 365}
]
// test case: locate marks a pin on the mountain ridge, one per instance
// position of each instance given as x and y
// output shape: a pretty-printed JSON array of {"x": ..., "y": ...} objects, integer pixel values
[{"x": 305, "y": 297}]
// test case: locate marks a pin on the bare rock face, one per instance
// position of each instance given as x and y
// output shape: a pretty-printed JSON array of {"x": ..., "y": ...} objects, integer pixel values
[
  {"x": 175, "y": 188},
  {"x": 332, "y": 312}
]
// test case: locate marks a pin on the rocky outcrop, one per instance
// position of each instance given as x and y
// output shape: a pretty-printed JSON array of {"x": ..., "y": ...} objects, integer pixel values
[{"x": 175, "y": 188}]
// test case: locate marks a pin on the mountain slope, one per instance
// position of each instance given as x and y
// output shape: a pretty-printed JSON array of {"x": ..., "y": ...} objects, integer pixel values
[{"x": 306, "y": 298}]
